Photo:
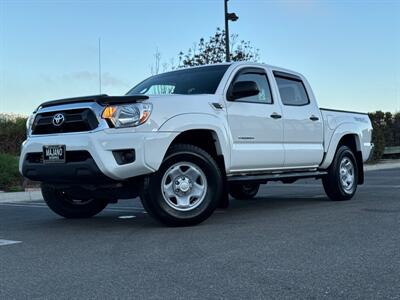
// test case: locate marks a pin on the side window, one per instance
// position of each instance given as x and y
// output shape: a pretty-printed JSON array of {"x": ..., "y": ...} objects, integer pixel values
[
  {"x": 292, "y": 91},
  {"x": 261, "y": 80}
]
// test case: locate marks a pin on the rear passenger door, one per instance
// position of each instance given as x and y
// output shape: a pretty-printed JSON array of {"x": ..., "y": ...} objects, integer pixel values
[
  {"x": 256, "y": 125},
  {"x": 303, "y": 127}
]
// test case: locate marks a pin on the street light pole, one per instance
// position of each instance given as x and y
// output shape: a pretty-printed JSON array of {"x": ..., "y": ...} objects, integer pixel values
[
  {"x": 227, "y": 54},
  {"x": 228, "y": 17}
]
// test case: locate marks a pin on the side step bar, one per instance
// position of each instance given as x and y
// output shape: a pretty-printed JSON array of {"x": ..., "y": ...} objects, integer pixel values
[{"x": 288, "y": 177}]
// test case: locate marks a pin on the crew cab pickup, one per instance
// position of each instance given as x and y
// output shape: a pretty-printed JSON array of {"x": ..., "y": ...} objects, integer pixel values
[{"x": 187, "y": 139}]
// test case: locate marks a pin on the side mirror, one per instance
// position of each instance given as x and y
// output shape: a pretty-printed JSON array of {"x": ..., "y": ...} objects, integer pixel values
[{"x": 242, "y": 89}]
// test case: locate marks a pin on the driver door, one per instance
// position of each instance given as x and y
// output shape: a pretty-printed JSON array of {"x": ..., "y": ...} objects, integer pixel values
[{"x": 256, "y": 125}]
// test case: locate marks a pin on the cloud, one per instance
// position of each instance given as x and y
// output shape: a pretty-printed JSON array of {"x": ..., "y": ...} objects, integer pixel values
[
  {"x": 107, "y": 79},
  {"x": 81, "y": 75}
]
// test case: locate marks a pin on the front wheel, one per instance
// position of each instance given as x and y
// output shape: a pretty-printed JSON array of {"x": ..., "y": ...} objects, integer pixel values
[
  {"x": 62, "y": 204},
  {"x": 185, "y": 190},
  {"x": 341, "y": 182}
]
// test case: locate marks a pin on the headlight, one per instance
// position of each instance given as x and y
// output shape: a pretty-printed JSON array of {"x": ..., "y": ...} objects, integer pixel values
[
  {"x": 29, "y": 122},
  {"x": 128, "y": 115}
]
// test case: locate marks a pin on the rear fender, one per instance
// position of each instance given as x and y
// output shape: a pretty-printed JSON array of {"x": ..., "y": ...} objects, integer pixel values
[{"x": 339, "y": 133}]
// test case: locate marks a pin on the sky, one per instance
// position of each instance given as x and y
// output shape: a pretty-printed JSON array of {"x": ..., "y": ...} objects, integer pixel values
[{"x": 348, "y": 50}]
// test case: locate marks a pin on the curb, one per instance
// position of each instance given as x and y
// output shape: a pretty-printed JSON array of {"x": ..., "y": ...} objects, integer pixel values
[
  {"x": 385, "y": 165},
  {"x": 21, "y": 197}
]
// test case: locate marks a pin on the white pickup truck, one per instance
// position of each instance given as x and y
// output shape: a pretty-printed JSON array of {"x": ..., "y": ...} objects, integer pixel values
[{"x": 185, "y": 140}]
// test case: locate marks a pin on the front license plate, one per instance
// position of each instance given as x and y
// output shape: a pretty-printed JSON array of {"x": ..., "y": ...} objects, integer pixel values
[{"x": 54, "y": 154}]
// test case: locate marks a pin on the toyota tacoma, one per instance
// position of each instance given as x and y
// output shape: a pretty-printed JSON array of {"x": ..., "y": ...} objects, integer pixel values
[{"x": 187, "y": 139}]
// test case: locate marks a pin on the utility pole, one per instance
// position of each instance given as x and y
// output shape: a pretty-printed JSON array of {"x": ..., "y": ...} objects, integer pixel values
[
  {"x": 228, "y": 17},
  {"x": 100, "y": 66}
]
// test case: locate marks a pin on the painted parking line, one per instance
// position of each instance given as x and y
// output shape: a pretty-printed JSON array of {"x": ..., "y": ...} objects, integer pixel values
[
  {"x": 126, "y": 217},
  {"x": 313, "y": 185},
  {"x": 8, "y": 242}
]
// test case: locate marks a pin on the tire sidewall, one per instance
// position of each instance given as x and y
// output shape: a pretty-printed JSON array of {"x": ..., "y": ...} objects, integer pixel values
[
  {"x": 344, "y": 151},
  {"x": 157, "y": 205}
]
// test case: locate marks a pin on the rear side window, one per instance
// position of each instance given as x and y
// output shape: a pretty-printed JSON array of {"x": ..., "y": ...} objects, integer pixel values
[{"x": 292, "y": 91}]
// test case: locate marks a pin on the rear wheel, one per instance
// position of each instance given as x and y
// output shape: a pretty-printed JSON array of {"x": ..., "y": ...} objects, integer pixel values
[
  {"x": 62, "y": 204},
  {"x": 341, "y": 182},
  {"x": 244, "y": 191},
  {"x": 185, "y": 190}
]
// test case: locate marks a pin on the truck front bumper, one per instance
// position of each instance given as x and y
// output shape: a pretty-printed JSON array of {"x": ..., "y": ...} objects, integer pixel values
[{"x": 98, "y": 161}]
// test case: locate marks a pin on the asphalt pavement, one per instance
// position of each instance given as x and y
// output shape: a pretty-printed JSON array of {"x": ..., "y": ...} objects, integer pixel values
[{"x": 288, "y": 242}]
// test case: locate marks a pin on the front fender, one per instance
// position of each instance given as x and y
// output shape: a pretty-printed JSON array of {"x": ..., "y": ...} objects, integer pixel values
[{"x": 194, "y": 121}]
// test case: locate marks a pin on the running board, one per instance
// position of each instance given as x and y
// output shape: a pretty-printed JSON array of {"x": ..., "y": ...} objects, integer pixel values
[{"x": 288, "y": 177}]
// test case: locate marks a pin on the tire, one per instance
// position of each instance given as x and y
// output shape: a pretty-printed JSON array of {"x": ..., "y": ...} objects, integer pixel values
[
  {"x": 185, "y": 190},
  {"x": 244, "y": 191},
  {"x": 341, "y": 181},
  {"x": 59, "y": 202}
]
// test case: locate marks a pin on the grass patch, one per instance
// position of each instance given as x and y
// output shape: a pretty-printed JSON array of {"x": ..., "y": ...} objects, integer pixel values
[{"x": 10, "y": 179}]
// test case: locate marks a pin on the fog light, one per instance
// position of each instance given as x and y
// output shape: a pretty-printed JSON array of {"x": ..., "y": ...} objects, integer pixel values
[{"x": 123, "y": 157}]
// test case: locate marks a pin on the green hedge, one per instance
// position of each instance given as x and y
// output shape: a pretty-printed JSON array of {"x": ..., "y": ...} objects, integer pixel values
[
  {"x": 10, "y": 179},
  {"x": 12, "y": 133},
  {"x": 386, "y": 131}
]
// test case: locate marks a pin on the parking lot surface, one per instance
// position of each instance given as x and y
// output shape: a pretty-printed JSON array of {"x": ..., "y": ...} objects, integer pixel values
[{"x": 288, "y": 242}]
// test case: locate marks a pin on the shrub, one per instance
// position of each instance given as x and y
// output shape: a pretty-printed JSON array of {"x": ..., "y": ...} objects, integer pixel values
[
  {"x": 12, "y": 133},
  {"x": 10, "y": 179},
  {"x": 386, "y": 131}
]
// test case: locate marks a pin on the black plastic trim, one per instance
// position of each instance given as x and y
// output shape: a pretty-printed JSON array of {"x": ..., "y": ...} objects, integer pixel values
[
  {"x": 262, "y": 178},
  {"x": 120, "y": 156},
  {"x": 287, "y": 75},
  {"x": 344, "y": 111},
  {"x": 71, "y": 172},
  {"x": 102, "y": 99}
]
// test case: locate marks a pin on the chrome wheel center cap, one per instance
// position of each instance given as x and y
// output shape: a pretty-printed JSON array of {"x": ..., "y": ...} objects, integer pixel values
[{"x": 184, "y": 186}]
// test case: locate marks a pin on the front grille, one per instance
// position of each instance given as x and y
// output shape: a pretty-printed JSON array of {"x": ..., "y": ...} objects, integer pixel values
[
  {"x": 70, "y": 156},
  {"x": 75, "y": 120}
]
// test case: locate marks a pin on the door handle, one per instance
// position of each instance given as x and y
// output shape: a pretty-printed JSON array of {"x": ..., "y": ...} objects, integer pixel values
[
  {"x": 314, "y": 118},
  {"x": 275, "y": 116}
]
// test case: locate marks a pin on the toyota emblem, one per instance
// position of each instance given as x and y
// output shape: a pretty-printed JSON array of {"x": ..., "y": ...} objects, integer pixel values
[{"x": 58, "y": 119}]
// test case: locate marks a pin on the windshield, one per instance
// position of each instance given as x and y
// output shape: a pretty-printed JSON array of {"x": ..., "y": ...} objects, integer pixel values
[{"x": 194, "y": 81}]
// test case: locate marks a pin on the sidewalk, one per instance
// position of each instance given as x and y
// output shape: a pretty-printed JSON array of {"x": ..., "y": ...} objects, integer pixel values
[
  {"x": 21, "y": 196},
  {"x": 36, "y": 195},
  {"x": 383, "y": 164}
]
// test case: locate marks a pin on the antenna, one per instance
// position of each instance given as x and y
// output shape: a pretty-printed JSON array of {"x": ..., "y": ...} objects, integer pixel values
[{"x": 100, "y": 66}]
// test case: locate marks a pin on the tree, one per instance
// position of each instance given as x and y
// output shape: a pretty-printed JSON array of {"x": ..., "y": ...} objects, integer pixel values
[
  {"x": 378, "y": 134},
  {"x": 209, "y": 51},
  {"x": 396, "y": 129},
  {"x": 388, "y": 130},
  {"x": 158, "y": 67},
  {"x": 213, "y": 51}
]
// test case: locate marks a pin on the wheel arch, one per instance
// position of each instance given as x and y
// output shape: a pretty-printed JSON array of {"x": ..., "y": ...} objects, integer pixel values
[
  {"x": 204, "y": 131},
  {"x": 351, "y": 139}
]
